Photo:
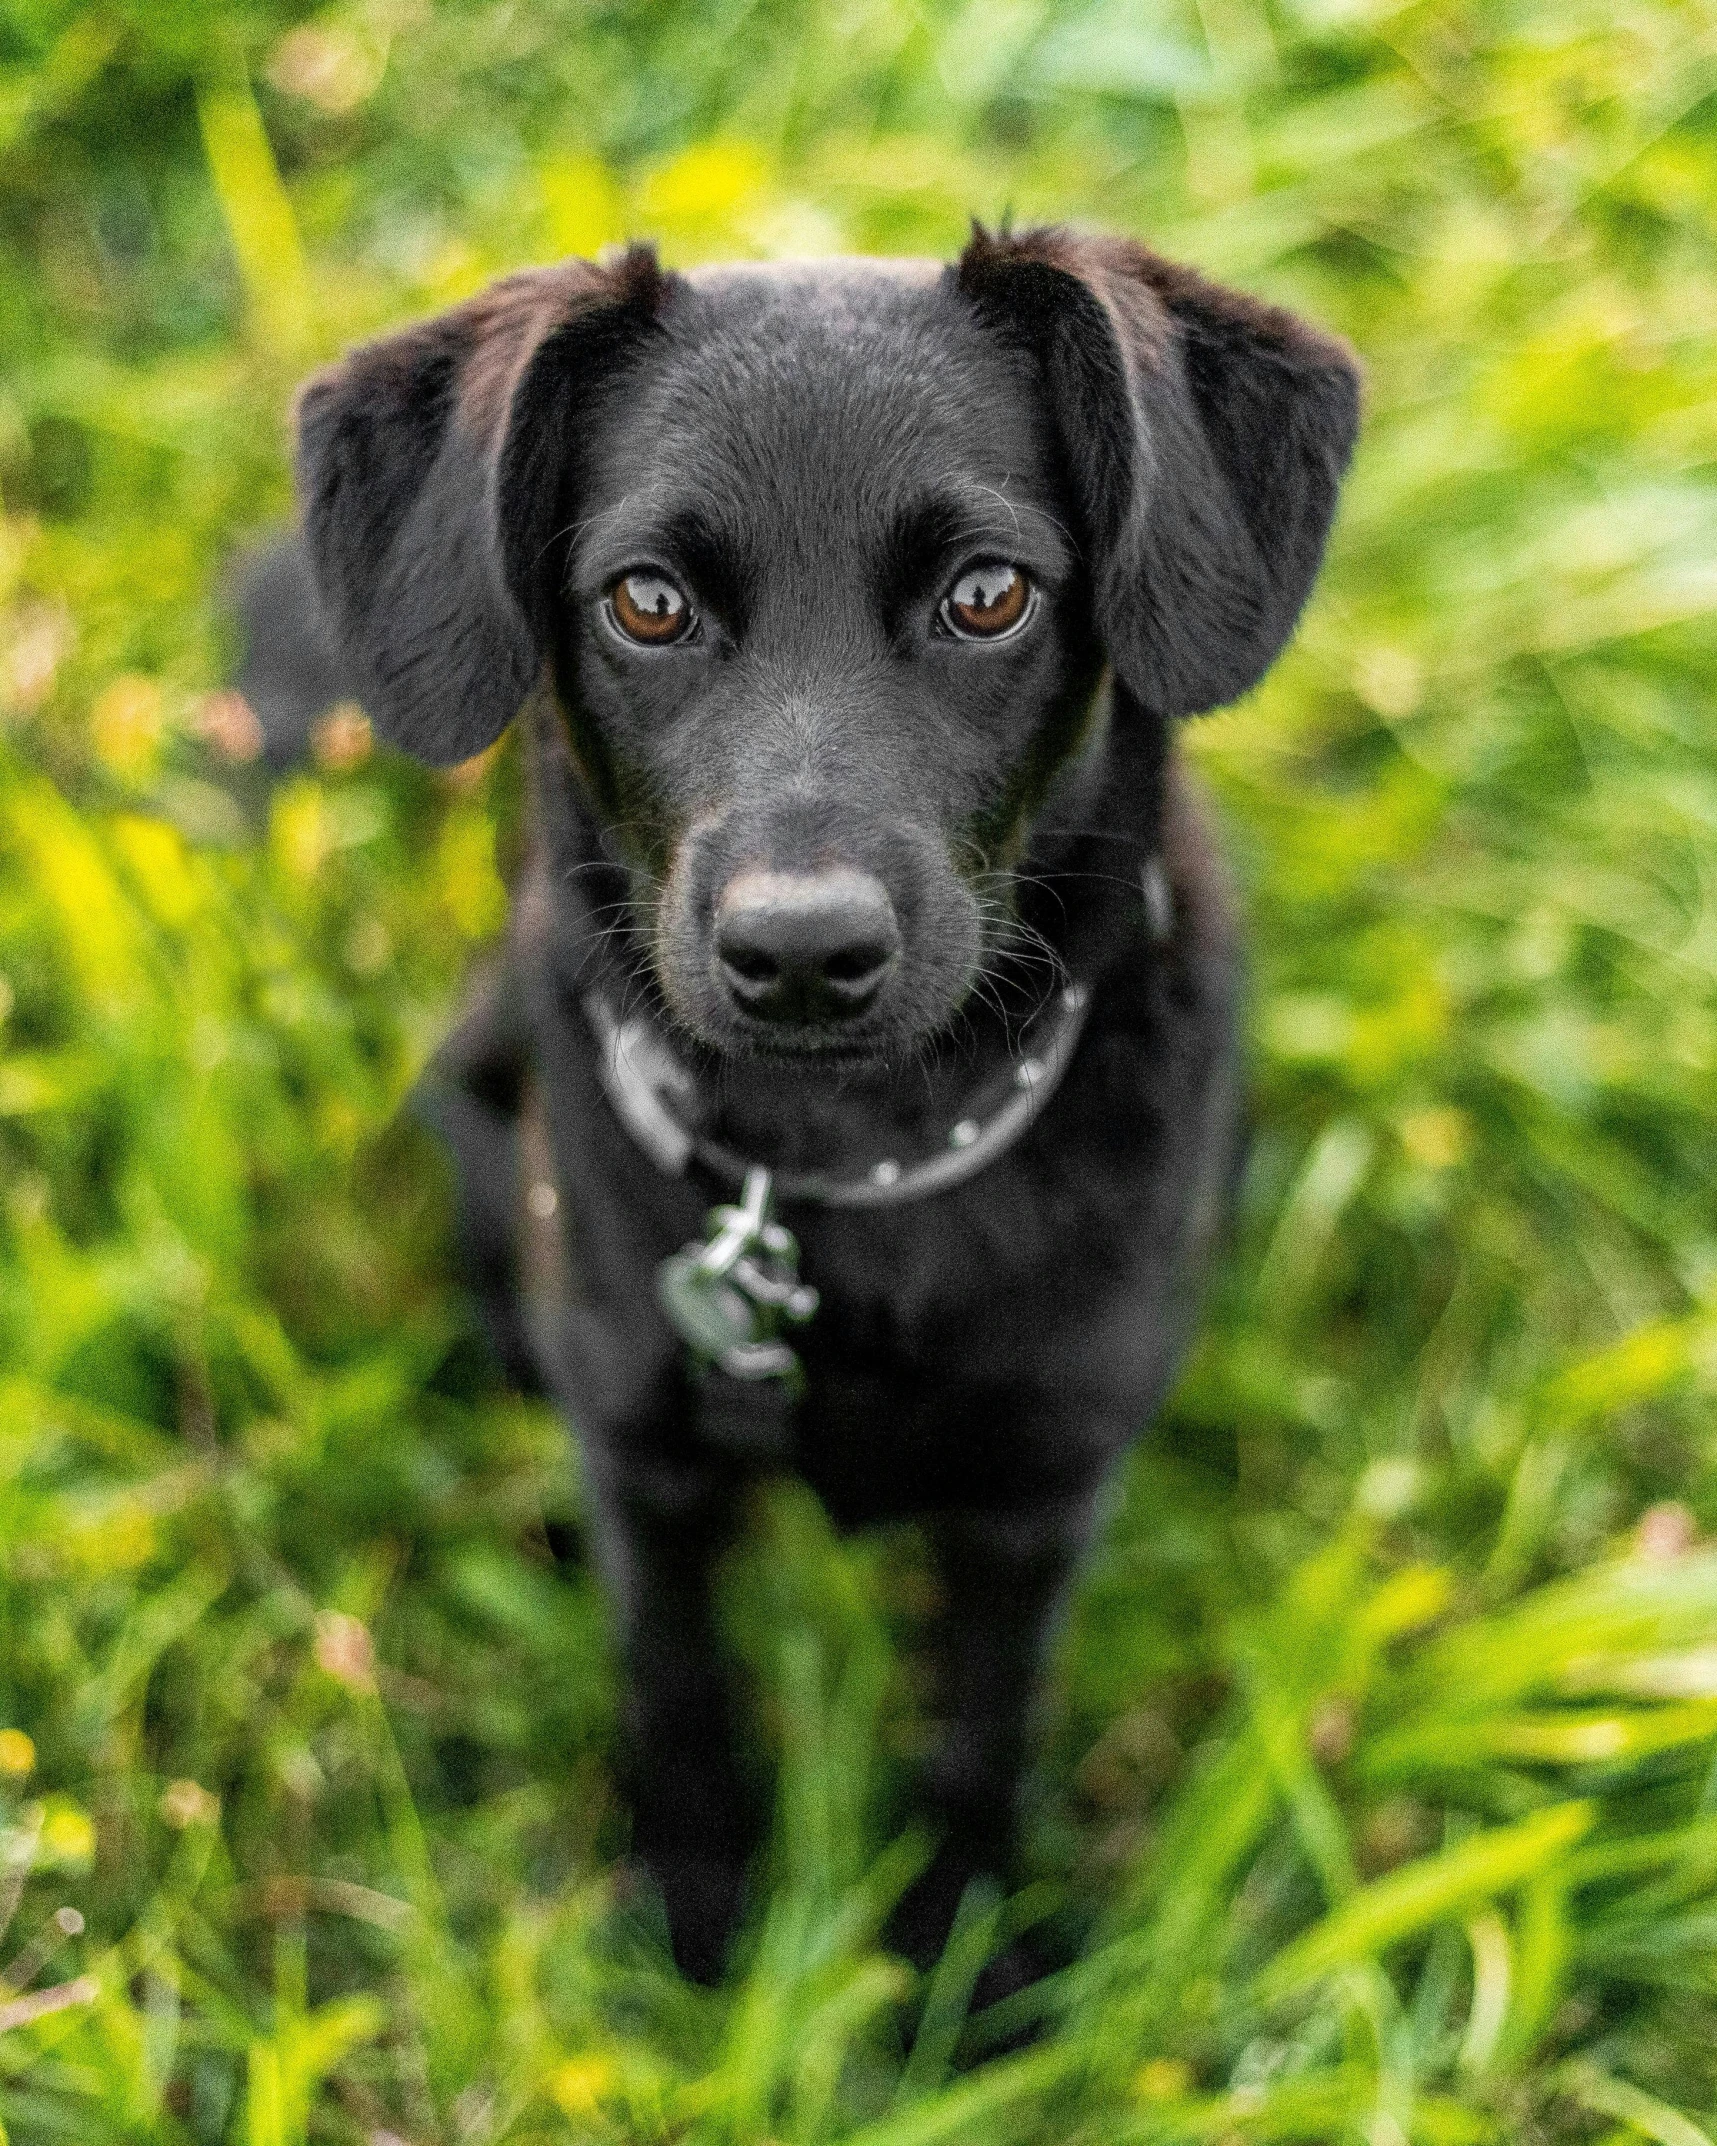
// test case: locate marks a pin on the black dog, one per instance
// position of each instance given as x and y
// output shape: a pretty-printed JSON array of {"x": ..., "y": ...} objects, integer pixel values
[{"x": 853, "y": 605}]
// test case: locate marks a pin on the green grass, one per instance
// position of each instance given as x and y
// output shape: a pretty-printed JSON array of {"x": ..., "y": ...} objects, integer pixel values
[{"x": 1379, "y": 1791}]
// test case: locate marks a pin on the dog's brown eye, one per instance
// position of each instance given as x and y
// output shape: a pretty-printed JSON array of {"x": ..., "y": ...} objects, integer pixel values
[
  {"x": 649, "y": 607},
  {"x": 989, "y": 599}
]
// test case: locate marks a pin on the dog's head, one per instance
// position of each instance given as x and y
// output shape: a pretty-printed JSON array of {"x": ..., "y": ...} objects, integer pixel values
[{"x": 824, "y": 563}]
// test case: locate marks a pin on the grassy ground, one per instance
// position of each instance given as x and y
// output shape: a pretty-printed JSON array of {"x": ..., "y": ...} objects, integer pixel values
[{"x": 1379, "y": 1799}]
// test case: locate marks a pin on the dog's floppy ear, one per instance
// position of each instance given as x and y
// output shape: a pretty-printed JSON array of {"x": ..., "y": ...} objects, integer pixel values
[
  {"x": 432, "y": 466},
  {"x": 1206, "y": 436}
]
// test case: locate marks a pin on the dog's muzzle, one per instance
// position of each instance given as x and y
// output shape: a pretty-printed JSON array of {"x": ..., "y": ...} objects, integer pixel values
[{"x": 805, "y": 949}]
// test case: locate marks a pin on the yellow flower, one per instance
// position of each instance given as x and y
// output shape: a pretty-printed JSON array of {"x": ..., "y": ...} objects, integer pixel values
[
  {"x": 579, "y": 2084},
  {"x": 68, "y": 1836},
  {"x": 1438, "y": 1136},
  {"x": 1162, "y": 2079},
  {"x": 17, "y": 1754},
  {"x": 126, "y": 724}
]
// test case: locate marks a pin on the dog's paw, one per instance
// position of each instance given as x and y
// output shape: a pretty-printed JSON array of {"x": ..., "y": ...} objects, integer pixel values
[
  {"x": 1010, "y": 1973},
  {"x": 701, "y": 1897},
  {"x": 924, "y": 1916},
  {"x": 952, "y": 1923}
]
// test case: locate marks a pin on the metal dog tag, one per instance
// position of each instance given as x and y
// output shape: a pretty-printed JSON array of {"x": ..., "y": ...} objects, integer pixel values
[
  {"x": 709, "y": 1315},
  {"x": 729, "y": 1297}
]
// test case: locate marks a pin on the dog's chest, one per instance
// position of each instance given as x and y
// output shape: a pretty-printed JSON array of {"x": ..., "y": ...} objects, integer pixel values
[{"x": 1029, "y": 1262}]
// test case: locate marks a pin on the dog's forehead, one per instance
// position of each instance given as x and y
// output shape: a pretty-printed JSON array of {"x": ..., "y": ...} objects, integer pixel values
[
  {"x": 787, "y": 373},
  {"x": 861, "y": 279}
]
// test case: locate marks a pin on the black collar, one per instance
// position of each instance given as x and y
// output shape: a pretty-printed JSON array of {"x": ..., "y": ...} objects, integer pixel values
[
  {"x": 650, "y": 1089},
  {"x": 654, "y": 1096}
]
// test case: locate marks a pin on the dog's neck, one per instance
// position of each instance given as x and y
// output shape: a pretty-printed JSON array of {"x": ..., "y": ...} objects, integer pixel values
[{"x": 1079, "y": 889}]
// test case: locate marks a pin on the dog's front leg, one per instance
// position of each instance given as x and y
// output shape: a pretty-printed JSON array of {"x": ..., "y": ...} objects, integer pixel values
[
  {"x": 660, "y": 1531},
  {"x": 1004, "y": 1577}
]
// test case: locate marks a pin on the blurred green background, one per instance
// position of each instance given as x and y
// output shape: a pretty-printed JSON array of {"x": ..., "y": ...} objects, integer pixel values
[{"x": 1378, "y": 1799}]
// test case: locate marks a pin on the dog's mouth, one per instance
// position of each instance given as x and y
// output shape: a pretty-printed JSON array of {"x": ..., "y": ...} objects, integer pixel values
[{"x": 874, "y": 1044}]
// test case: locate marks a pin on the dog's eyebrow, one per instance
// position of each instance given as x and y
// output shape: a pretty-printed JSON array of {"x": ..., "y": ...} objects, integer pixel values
[
  {"x": 714, "y": 558},
  {"x": 684, "y": 534},
  {"x": 961, "y": 519}
]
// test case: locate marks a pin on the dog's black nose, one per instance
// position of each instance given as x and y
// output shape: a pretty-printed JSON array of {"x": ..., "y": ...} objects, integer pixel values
[{"x": 805, "y": 946}]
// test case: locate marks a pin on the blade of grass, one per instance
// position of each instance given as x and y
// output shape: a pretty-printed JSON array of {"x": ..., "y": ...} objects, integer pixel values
[
  {"x": 1609, "y": 2096},
  {"x": 950, "y": 1992},
  {"x": 989, "y": 2097},
  {"x": 1422, "y": 1893}
]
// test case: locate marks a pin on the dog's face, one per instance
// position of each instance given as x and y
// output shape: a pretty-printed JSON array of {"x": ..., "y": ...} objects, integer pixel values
[
  {"x": 824, "y": 628},
  {"x": 824, "y": 563}
]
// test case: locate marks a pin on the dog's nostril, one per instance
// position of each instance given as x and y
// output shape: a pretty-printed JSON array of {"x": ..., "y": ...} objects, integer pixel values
[
  {"x": 856, "y": 964},
  {"x": 748, "y": 963},
  {"x": 805, "y": 946}
]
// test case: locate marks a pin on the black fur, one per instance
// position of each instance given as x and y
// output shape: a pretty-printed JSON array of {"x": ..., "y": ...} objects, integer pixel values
[
  {"x": 289, "y": 669},
  {"x": 430, "y": 468},
  {"x": 814, "y": 452}
]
